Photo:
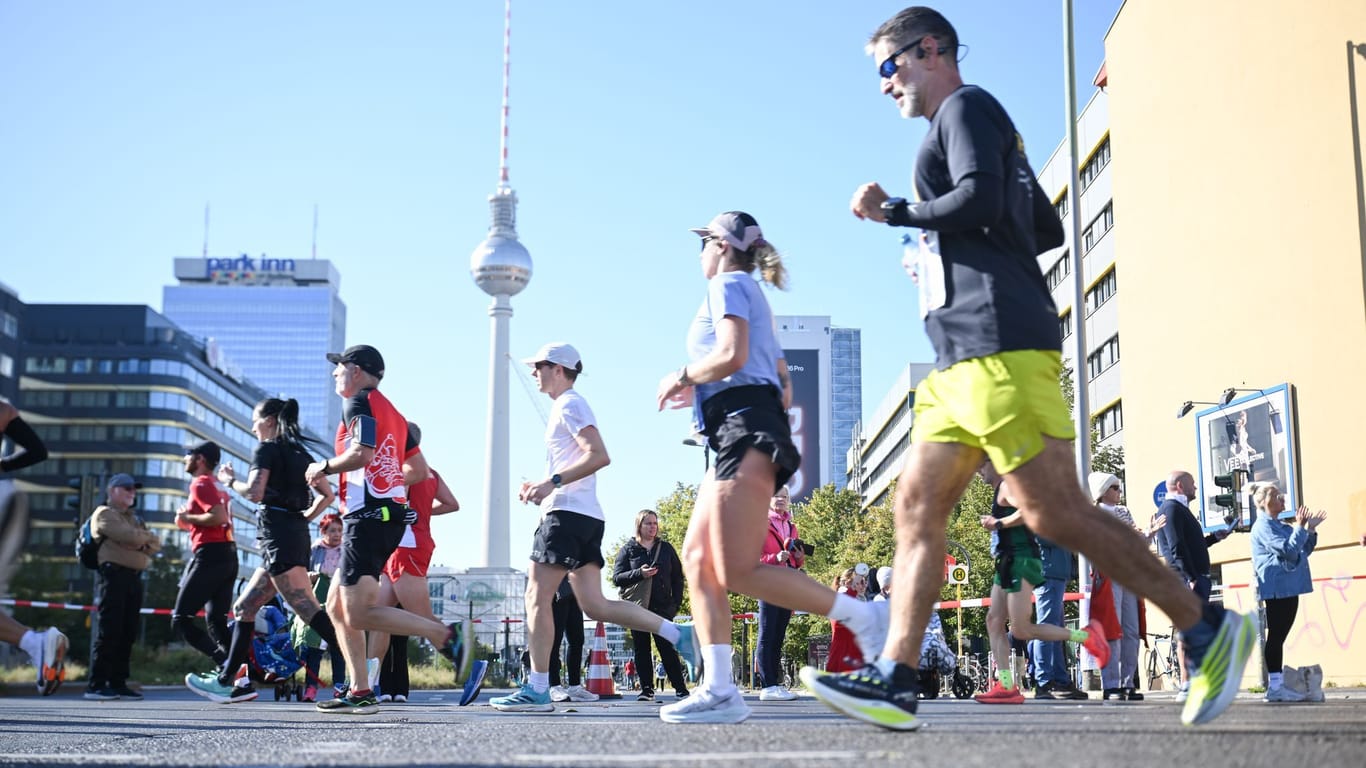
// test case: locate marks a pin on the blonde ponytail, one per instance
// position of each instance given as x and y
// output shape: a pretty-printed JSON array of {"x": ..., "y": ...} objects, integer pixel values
[{"x": 770, "y": 264}]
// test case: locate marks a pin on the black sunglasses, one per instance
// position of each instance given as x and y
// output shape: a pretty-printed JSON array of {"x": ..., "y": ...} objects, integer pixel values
[
  {"x": 707, "y": 239},
  {"x": 888, "y": 67}
]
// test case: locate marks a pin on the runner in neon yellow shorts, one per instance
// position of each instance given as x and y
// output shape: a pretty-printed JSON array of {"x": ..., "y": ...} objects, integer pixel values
[{"x": 983, "y": 222}]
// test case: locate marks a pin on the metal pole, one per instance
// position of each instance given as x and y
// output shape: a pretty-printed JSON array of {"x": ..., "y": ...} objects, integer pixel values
[{"x": 1083, "y": 399}]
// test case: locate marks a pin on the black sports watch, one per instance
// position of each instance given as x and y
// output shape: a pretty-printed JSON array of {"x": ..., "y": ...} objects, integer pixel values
[
  {"x": 892, "y": 203},
  {"x": 555, "y": 478}
]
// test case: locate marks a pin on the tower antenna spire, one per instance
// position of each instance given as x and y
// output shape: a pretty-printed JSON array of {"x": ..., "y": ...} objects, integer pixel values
[
  {"x": 314, "y": 250},
  {"x": 507, "y": 77},
  {"x": 206, "y": 231}
]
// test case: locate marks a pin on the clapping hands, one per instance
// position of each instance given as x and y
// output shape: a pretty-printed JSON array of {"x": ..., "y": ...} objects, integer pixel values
[{"x": 1308, "y": 519}]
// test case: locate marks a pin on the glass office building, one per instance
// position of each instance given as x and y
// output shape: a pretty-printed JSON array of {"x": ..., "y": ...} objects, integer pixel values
[
  {"x": 119, "y": 388},
  {"x": 276, "y": 318},
  {"x": 846, "y": 396}
]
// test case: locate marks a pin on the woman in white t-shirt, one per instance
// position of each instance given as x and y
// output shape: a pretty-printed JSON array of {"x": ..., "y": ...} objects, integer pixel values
[{"x": 737, "y": 384}]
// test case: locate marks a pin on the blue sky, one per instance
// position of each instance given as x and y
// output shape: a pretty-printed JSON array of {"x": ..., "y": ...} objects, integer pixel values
[{"x": 631, "y": 122}]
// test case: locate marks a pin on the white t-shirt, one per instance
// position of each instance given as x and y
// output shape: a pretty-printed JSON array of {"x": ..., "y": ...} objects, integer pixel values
[{"x": 568, "y": 416}]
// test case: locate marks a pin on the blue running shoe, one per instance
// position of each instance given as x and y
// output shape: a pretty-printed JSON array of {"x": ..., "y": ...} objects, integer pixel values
[
  {"x": 476, "y": 682},
  {"x": 687, "y": 646},
  {"x": 459, "y": 649},
  {"x": 207, "y": 685},
  {"x": 524, "y": 700},
  {"x": 1217, "y": 662}
]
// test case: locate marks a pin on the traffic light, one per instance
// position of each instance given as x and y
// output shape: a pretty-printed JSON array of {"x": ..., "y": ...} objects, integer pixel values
[
  {"x": 1232, "y": 500},
  {"x": 82, "y": 502}
]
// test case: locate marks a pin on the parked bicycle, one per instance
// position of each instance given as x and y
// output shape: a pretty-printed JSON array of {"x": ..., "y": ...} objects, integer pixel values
[{"x": 1162, "y": 662}]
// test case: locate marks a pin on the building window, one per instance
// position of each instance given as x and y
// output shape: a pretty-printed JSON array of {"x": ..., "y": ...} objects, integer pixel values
[
  {"x": 1099, "y": 159},
  {"x": 43, "y": 398},
  {"x": 1106, "y": 355},
  {"x": 1060, "y": 270},
  {"x": 1098, "y": 227},
  {"x": 9, "y": 324},
  {"x": 1110, "y": 420},
  {"x": 6, "y": 366},
  {"x": 1101, "y": 292},
  {"x": 1065, "y": 323},
  {"x": 45, "y": 365},
  {"x": 131, "y": 400},
  {"x": 90, "y": 399},
  {"x": 1060, "y": 207}
]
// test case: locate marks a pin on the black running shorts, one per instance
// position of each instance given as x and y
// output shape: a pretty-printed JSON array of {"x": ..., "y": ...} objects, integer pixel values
[
  {"x": 568, "y": 539},
  {"x": 283, "y": 537},
  {"x": 741, "y": 418},
  {"x": 366, "y": 546}
]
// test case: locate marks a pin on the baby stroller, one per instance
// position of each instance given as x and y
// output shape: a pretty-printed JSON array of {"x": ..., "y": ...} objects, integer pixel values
[
  {"x": 273, "y": 660},
  {"x": 937, "y": 662}
]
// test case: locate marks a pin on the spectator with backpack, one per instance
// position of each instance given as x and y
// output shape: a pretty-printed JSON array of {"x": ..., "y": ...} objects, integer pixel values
[{"x": 125, "y": 548}]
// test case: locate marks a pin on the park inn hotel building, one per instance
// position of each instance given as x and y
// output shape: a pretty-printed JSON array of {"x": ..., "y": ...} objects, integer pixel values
[{"x": 1236, "y": 166}]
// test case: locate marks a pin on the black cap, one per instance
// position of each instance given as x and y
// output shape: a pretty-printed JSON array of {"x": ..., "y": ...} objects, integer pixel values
[
  {"x": 208, "y": 449},
  {"x": 363, "y": 356}
]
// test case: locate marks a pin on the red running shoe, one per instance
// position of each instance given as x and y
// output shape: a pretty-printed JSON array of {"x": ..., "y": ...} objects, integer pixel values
[
  {"x": 1000, "y": 695},
  {"x": 1095, "y": 643}
]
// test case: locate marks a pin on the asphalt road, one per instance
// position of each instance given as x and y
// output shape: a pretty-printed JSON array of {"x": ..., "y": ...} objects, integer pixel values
[{"x": 172, "y": 727}]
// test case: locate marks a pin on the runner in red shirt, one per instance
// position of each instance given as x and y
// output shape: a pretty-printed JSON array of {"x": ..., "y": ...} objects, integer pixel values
[
  {"x": 404, "y": 581},
  {"x": 211, "y": 570},
  {"x": 374, "y": 453}
]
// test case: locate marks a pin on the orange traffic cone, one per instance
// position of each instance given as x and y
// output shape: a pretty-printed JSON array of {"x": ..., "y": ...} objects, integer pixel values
[{"x": 600, "y": 668}]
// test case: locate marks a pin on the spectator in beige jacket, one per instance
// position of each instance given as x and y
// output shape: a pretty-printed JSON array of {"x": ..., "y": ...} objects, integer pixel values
[{"x": 126, "y": 549}]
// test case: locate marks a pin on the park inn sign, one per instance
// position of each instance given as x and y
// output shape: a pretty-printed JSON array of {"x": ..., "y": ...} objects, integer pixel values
[{"x": 246, "y": 268}]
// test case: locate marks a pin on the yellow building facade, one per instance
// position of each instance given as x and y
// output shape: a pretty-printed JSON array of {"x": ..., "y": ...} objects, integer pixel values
[{"x": 1238, "y": 133}]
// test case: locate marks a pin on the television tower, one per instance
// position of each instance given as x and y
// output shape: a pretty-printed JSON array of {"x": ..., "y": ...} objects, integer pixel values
[{"x": 501, "y": 267}]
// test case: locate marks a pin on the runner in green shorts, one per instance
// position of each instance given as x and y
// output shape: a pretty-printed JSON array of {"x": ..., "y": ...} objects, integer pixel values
[{"x": 1018, "y": 570}]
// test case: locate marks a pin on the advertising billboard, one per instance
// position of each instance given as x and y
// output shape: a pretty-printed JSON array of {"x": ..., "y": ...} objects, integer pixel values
[
  {"x": 1256, "y": 434},
  {"x": 803, "y": 365}
]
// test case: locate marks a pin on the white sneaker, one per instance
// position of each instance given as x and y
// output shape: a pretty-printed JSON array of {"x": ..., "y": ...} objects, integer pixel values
[
  {"x": 776, "y": 693},
  {"x": 559, "y": 693},
  {"x": 400, "y": 698},
  {"x": 707, "y": 707},
  {"x": 1183, "y": 691},
  {"x": 579, "y": 693},
  {"x": 1283, "y": 694}
]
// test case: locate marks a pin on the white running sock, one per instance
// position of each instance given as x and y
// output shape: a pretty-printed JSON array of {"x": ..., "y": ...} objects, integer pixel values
[
  {"x": 540, "y": 681},
  {"x": 847, "y": 610},
  {"x": 669, "y": 631},
  {"x": 32, "y": 643},
  {"x": 716, "y": 662}
]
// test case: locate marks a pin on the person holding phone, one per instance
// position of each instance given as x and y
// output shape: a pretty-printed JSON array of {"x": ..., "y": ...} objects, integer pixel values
[{"x": 647, "y": 557}]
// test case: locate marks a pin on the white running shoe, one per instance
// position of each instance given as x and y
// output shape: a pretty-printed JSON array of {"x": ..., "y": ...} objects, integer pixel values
[
  {"x": 705, "y": 706},
  {"x": 52, "y": 664},
  {"x": 559, "y": 693},
  {"x": 1284, "y": 694},
  {"x": 579, "y": 693},
  {"x": 776, "y": 693}
]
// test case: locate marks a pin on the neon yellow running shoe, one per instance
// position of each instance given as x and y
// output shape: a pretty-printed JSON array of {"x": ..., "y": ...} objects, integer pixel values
[{"x": 1218, "y": 666}]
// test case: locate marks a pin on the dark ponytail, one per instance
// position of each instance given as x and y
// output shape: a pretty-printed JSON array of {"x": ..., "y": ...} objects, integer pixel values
[{"x": 286, "y": 413}]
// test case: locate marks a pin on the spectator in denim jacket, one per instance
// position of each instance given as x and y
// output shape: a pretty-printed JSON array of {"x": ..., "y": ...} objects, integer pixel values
[{"x": 1280, "y": 559}]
